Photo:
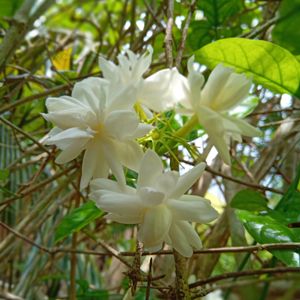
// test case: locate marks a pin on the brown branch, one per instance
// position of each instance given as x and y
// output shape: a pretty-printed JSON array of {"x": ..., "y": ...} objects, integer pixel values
[
  {"x": 16, "y": 128},
  {"x": 273, "y": 111},
  {"x": 243, "y": 274},
  {"x": 252, "y": 185},
  {"x": 24, "y": 238},
  {"x": 113, "y": 252},
  {"x": 149, "y": 280},
  {"x": 37, "y": 186},
  {"x": 48, "y": 92},
  {"x": 184, "y": 34},
  {"x": 20, "y": 24},
  {"x": 73, "y": 259},
  {"x": 168, "y": 38}
]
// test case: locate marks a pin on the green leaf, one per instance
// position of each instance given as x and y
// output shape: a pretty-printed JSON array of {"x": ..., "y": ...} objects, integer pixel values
[
  {"x": 199, "y": 34},
  {"x": 218, "y": 11},
  {"x": 219, "y": 21},
  {"x": 264, "y": 229},
  {"x": 4, "y": 174},
  {"x": 94, "y": 295},
  {"x": 286, "y": 31},
  {"x": 249, "y": 200},
  {"x": 77, "y": 219},
  {"x": 289, "y": 205},
  {"x": 9, "y": 7},
  {"x": 270, "y": 65}
]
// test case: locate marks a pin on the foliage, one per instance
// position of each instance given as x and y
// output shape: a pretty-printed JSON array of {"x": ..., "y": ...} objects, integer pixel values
[
  {"x": 45, "y": 218},
  {"x": 270, "y": 65}
]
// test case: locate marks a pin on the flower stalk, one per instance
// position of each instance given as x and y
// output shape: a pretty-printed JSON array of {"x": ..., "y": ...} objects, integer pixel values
[{"x": 181, "y": 133}]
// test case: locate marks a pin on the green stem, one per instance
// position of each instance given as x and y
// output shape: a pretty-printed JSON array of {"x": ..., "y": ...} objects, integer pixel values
[
  {"x": 181, "y": 133},
  {"x": 187, "y": 127}
]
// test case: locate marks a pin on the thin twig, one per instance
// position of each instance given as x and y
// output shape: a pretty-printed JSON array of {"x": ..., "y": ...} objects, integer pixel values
[
  {"x": 48, "y": 92},
  {"x": 184, "y": 34},
  {"x": 113, "y": 252},
  {"x": 16, "y": 128},
  {"x": 73, "y": 259},
  {"x": 244, "y": 273},
  {"x": 168, "y": 38},
  {"x": 37, "y": 186},
  {"x": 149, "y": 280}
]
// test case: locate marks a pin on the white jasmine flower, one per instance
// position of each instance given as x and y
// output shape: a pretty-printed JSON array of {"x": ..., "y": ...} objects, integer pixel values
[
  {"x": 103, "y": 125},
  {"x": 157, "y": 204},
  {"x": 223, "y": 91},
  {"x": 158, "y": 92}
]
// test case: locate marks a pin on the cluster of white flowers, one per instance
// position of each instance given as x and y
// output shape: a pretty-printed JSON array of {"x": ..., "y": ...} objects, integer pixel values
[{"x": 99, "y": 118}]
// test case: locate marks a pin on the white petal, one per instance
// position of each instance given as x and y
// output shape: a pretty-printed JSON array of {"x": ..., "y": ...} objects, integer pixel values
[
  {"x": 193, "y": 209},
  {"x": 214, "y": 126},
  {"x": 150, "y": 197},
  {"x": 105, "y": 184},
  {"x": 88, "y": 165},
  {"x": 65, "y": 103},
  {"x": 110, "y": 185},
  {"x": 187, "y": 110},
  {"x": 235, "y": 90},
  {"x": 118, "y": 203},
  {"x": 108, "y": 68},
  {"x": 154, "y": 248},
  {"x": 102, "y": 168},
  {"x": 69, "y": 119},
  {"x": 187, "y": 180},
  {"x": 225, "y": 89},
  {"x": 122, "y": 99},
  {"x": 151, "y": 167},
  {"x": 166, "y": 182},
  {"x": 155, "y": 226},
  {"x": 216, "y": 80},
  {"x": 71, "y": 151},
  {"x": 245, "y": 128},
  {"x": 139, "y": 65},
  {"x": 163, "y": 90},
  {"x": 121, "y": 123},
  {"x": 92, "y": 92},
  {"x": 191, "y": 234},
  {"x": 54, "y": 131},
  {"x": 141, "y": 130},
  {"x": 184, "y": 237},
  {"x": 196, "y": 81},
  {"x": 67, "y": 137},
  {"x": 179, "y": 240},
  {"x": 66, "y": 112},
  {"x": 129, "y": 153},
  {"x": 147, "y": 111},
  {"x": 124, "y": 219},
  {"x": 113, "y": 160}
]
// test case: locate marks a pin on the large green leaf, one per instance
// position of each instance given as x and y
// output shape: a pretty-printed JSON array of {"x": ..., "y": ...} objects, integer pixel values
[
  {"x": 77, "y": 219},
  {"x": 264, "y": 229},
  {"x": 249, "y": 200},
  {"x": 269, "y": 64},
  {"x": 286, "y": 31}
]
